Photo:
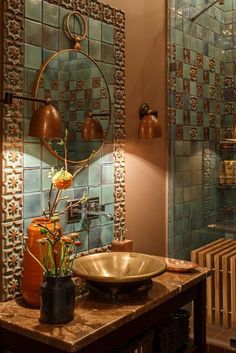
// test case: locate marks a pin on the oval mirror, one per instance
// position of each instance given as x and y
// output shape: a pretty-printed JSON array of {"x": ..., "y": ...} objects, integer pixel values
[{"x": 77, "y": 88}]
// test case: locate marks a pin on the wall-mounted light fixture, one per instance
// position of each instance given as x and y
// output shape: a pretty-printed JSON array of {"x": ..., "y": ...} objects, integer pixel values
[
  {"x": 92, "y": 128},
  {"x": 149, "y": 126},
  {"x": 45, "y": 121}
]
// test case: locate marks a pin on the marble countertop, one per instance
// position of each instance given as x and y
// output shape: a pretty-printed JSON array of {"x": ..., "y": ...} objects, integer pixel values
[{"x": 87, "y": 325}]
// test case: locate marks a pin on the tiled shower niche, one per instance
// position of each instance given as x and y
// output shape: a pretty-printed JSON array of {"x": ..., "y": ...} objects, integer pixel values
[
  {"x": 202, "y": 111},
  {"x": 32, "y": 31}
]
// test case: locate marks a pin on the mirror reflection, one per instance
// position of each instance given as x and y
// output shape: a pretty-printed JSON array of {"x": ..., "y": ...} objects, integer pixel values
[{"x": 77, "y": 88}]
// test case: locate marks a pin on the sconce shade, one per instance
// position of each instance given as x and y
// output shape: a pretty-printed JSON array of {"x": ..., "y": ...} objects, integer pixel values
[
  {"x": 149, "y": 127},
  {"x": 45, "y": 123},
  {"x": 92, "y": 129}
]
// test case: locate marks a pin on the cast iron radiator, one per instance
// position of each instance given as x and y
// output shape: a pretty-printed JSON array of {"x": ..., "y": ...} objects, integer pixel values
[{"x": 220, "y": 257}]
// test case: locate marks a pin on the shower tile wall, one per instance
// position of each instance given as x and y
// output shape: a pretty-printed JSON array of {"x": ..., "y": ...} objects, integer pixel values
[
  {"x": 33, "y": 30},
  {"x": 201, "y": 81}
]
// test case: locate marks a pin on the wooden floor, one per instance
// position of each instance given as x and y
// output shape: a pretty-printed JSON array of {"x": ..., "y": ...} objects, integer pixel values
[{"x": 218, "y": 340}]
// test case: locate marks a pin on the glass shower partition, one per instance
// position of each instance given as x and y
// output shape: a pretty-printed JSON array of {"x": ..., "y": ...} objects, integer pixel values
[{"x": 201, "y": 113}]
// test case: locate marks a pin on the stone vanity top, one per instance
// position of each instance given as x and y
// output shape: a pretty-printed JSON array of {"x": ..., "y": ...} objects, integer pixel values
[{"x": 95, "y": 316}]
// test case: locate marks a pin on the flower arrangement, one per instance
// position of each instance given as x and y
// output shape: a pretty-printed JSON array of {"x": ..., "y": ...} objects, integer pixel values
[{"x": 57, "y": 251}]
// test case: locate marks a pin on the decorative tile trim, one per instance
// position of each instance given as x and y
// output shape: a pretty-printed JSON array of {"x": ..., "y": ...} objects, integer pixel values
[
  {"x": 12, "y": 151},
  {"x": 12, "y": 144}
]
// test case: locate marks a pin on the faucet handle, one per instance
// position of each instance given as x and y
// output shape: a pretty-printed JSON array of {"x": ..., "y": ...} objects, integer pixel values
[{"x": 123, "y": 231}]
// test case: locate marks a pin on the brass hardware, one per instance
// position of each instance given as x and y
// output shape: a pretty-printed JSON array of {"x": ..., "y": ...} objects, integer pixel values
[
  {"x": 45, "y": 121},
  {"x": 118, "y": 267},
  {"x": 83, "y": 127},
  {"x": 149, "y": 126},
  {"x": 76, "y": 38}
]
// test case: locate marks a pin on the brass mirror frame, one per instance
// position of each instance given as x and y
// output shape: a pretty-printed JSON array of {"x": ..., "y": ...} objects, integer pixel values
[{"x": 35, "y": 91}]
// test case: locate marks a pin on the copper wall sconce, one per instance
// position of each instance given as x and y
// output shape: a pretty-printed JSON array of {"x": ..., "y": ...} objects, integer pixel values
[
  {"x": 92, "y": 128},
  {"x": 45, "y": 121},
  {"x": 149, "y": 126}
]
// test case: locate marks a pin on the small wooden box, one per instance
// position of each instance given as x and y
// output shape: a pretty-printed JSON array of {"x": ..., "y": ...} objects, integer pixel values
[{"x": 125, "y": 245}]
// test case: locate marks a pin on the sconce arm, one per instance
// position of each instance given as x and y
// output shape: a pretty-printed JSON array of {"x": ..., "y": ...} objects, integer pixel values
[
  {"x": 8, "y": 98},
  {"x": 146, "y": 110}
]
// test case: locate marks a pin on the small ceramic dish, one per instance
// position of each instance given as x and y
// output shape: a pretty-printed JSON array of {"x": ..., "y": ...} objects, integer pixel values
[{"x": 180, "y": 265}]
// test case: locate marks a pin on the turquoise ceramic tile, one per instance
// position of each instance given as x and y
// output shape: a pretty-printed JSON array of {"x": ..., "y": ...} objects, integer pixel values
[
  {"x": 107, "y": 153},
  {"x": 95, "y": 238},
  {"x": 95, "y": 29},
  {"x": 28, "y": 138},
  {"x": 32, "y": 205},
  {"x": 179, "y": 38},
  {"x": 178, "y": 228},
  {"x": 179, "y": 22},
  {"x": 108, "y": 71},
  {"x": 32, "y": 155},
  {"x": 50, "y": 14},
  {"x": 45, "y": 198},
  {"x": 46, "y": 180},
  {"x": 179, "y": 243},
  {"x": 179, "y": 84},
  {"x": 66, "y": 227},
  {"x": 178, "y": 195},
  {"x": 83, "y": 237},
  {"x": 94, "y": 175},
  {"x": 33, "y": 9},
  {"x": 48, "y": 160},
  {"x": 186, "y": 147},
  {"x": 97, "y": 158},
  {"x": 30, "y": 77},
  {"x": 186, "y": 194},
  {"x": 62, "y": 17},
  {"x": 179, "y": 116},
  {"x": 193, "y": 119},
  {"x": 179, "y": 210},
  {"x": 193, "y": 43},
  {"x": 211, "y": 51},
  {"x": 79, "y": 192},
  {"x": 32, "y": 180},
  {"x": 81, "y": 179},
  {"x": 108, "y": 215},
  {"x": 193, "y": 88},
  {"x": 33, "y": 32},
  {"x": 179, "y": 164},
  {"x": 199, "y": 46},
  {"x": 186, "y": 71},
  {"x": 85, "y": 45},
  {"x": 95, "y": 192},
  {"x": 107, "y": 174},
  {"x": 33, "y": 56},
  {"x": 66, "y": 195},
  {"x": 107, "y": 33},
  {"x": 107, "y": 194},
  {"x": 108, "y": 53},
  {"x": 50, "y": 37},
  {"x": 95, "y": 49},
  {"x": 47, "y": 53},
  {"x": 179, "y": 179},
  {"x": 107, "y": 234}
]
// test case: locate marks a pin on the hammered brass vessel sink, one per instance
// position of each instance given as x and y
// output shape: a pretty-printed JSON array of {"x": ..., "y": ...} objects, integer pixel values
[{"x": 118, "y": 269}]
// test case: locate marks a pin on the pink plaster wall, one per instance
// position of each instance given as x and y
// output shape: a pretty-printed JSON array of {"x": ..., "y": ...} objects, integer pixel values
[{"x": 146, "y": 160}]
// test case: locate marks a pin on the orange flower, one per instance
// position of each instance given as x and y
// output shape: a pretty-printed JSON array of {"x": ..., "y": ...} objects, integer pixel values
[{"x": 62, "y": 179}]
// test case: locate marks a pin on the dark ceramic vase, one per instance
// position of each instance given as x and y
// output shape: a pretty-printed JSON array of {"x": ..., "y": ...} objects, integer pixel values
[{"x": 57, "y": 300}]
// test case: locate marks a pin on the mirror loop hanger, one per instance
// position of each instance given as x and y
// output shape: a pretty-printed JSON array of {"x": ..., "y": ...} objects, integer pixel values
[{"x": 75, "y": 37}]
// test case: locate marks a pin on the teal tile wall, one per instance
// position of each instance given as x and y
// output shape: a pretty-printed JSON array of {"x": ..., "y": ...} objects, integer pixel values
[
  {"x": 44, "y": 35},
  {"x": 202, "y": 108}
]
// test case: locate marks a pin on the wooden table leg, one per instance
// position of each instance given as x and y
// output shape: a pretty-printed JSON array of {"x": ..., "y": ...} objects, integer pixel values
[{"x": 199, "y": 313}]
